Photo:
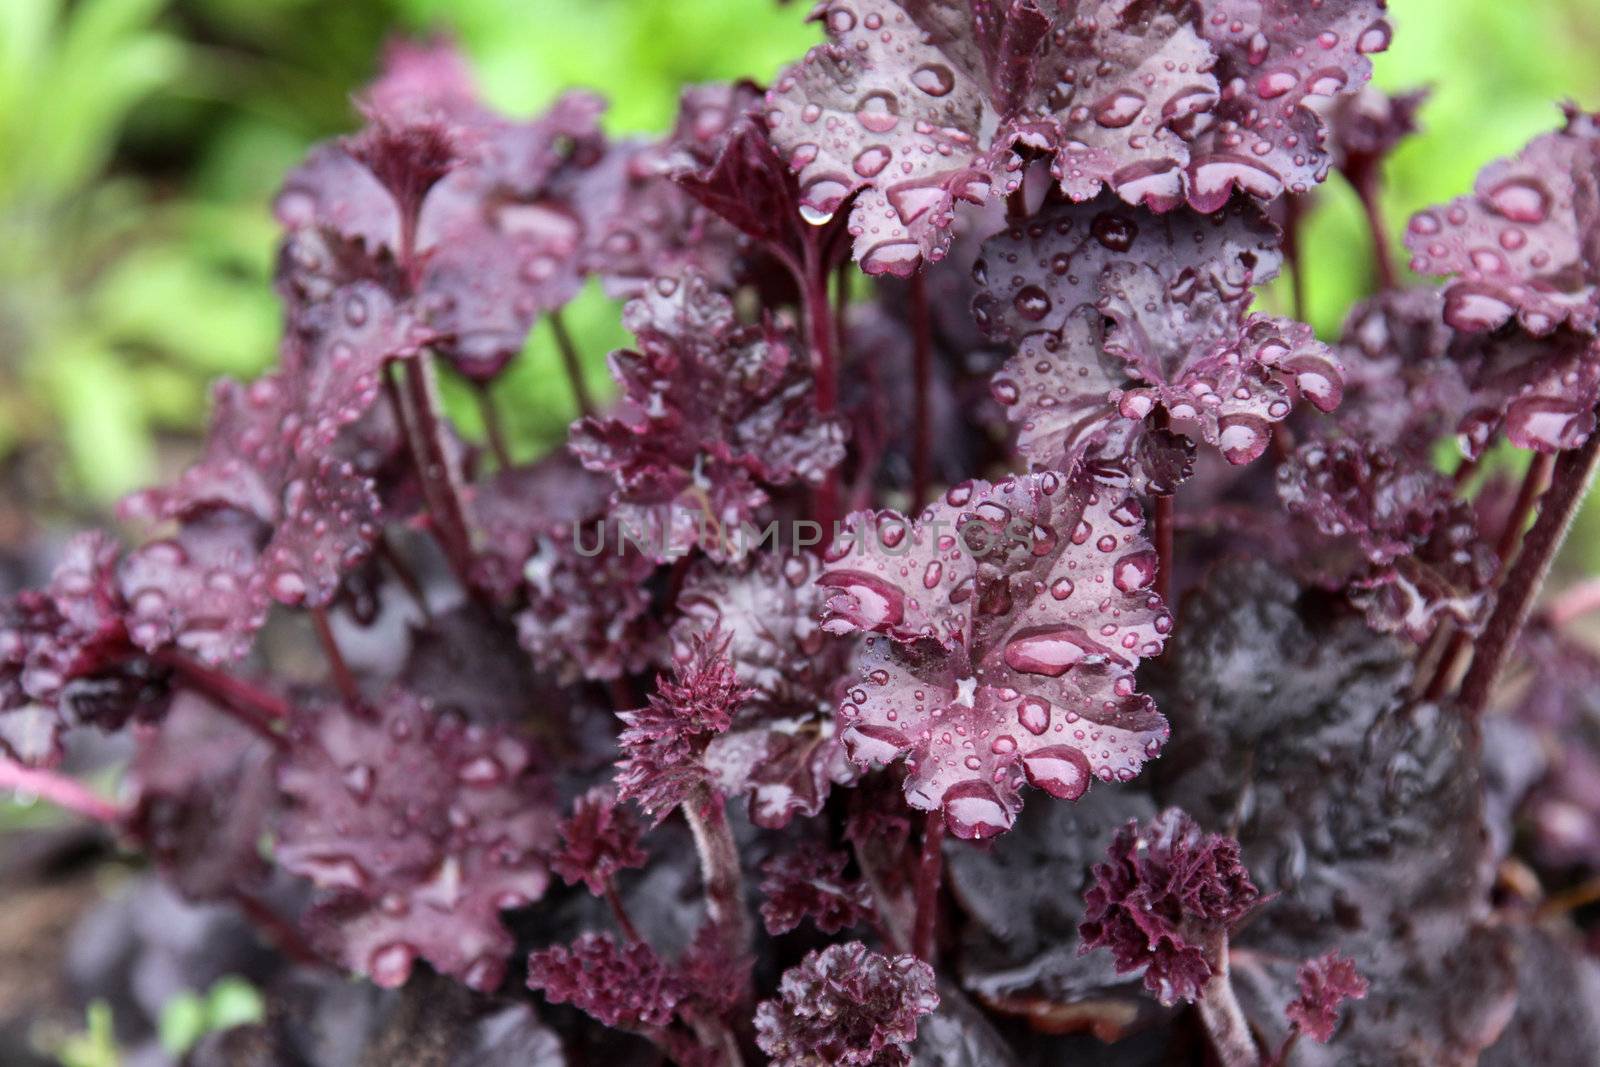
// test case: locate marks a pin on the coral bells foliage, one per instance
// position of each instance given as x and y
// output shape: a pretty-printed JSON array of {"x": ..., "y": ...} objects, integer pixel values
[
  {"x": 1164, "y": 900},
  {"x": 961, "y": 480}
]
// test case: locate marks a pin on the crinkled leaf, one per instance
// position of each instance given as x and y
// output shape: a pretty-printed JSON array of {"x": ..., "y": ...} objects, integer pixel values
[
  {"x": 713, "y": 412},
  {"x": 420, "y": 829},
  {"x": 598, "y": 839},
  {"x": 1517, "y": 245},
  {"x": 1004, "y": 627},
  {"x": 809, "y": 884},
  {"x": 846, "y": 1005},
  {"x": 1275, "y": 58}
]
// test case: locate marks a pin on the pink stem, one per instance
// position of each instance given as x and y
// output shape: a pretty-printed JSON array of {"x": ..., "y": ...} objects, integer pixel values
[
  {"x": 921, "y": 369},
  {"x": 343, "y": 680},
  {"x": 1533, "y": 483},
  {"x": 425, "y": 433},
  {"x": 930, "y": 875},
  {"x": 572, "y": 364},
  {"x": 706, "y": 812},
  {"x": 60, "y": 790},
  {"x": 1569, "y": 482},
  {"x": 1164, "y": 525},
  {"x": 619, "y": 911},
  {"x": 813, "y": 279}
]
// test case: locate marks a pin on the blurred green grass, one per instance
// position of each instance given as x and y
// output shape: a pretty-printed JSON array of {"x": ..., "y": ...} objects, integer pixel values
[{"x": 141, "y": 142}]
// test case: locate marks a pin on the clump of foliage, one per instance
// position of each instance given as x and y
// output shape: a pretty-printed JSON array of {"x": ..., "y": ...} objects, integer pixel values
[{"x": 860, "y": 562}]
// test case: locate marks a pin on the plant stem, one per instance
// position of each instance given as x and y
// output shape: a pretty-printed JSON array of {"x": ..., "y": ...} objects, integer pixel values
[
  {"x": 493, "y": 428},
  {"x": 707, "y": 815},
  {"x": 407, "y": 578},
  {"x": 343, "y": 680},
  {"x": 60, "y": 790},
  {"x": 255, "y": 708},
  {"x": 890, "y": 921},
  {"x": 1569, "y": 482},
  {"x": 1164, "y": 525},
  {"x": 930, "y": 875},
  {"x": 813, "y": 281},
  {"x": 1292, "y": 214},
  {"x": 1382, "y": 255},
  {"x": 569, "y": 360},
  {"x": 425, "y": 433},
  {"x": 921, "y": 374},
  {"x": 1224, "y": 1019},
  {"x": 277, "y": 931},
  {"x": 1533, "y": 483},
  {"x": 619, "y": 912}
]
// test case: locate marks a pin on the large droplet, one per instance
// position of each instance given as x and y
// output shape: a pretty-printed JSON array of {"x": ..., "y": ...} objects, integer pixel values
[
  {"x": 1275, "y": 83},
  {"x": 1135, "y": 571},
  {"x": 390, "y": 965},
  {"x": 1242, "y": 438},
  {"x": 1520, "y": 200},
  {"x": 1033, "y": 714},
  {"x": 891, "y": 257},
  {"x": 934, "y": 79},
  {"x": 1119, "y": 109},
  {"x": 863, "y": 601},
  {"x": 1473, "y": 310},
  {"x": 973, "y": 810},
  {"x": 1032, "y": 303},
  {"x": 1051, "y": 650},
  {"x": 871, "y": 160},
  {"x": 1060, "y": 770},
  {"x": 878, "y": 112},
  {"x": 1114, "y": 231}
]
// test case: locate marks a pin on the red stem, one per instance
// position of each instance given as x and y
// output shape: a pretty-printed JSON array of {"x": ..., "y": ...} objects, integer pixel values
[
  {"x": 1533, "y": 483},
  {"x": 425, "y": 432},
  {"x": 1382, "y": 255},
  {"x": 813, "y": 281},
  {"x": 1569, "y": 482},
  {"x": 256, "y": 708},
  {"x": 573, "y": 365},
  {"x": 620, "y": 912},
  {"x": 1164, "y": 524},
  {"x": 493, "y": 428},
  {"x": 407, "y": 578},
  {"x": 1292, "y": 213},
  {"x": 278, "y": 931},
  {"x": 60, "y": 790},
  {"x": 343, "y": 680},
  {"x": 921, "y": 370},
  {"x": 930, "y": 875}
]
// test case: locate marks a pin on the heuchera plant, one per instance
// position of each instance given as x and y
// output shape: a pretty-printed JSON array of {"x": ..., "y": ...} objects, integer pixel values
[{"x": 975, "y": 576}]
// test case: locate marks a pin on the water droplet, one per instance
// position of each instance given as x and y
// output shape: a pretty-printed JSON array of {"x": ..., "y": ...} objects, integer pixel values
[
  {"x": 934, "y": 79},
  {"x": 878, "y": 112},
  {"x": 821, "y": 197},
  {"x": 1275, "y": 83},
  {"x": 358, "y": 779},
  {"x": 1375, "y": 38},
  {"x": 1050, "y": 651},
  {"x": 390, "y": 965},
  {"x": 1114, "y": 231},
  {"x": 1134, "y": 572},
  {"x": 1242, "y": 438},
  {"x": 1119, "y": 109},
  {"x": 1474, "y": 310},
  {"x": 891, "y": 257},
  {"x": 1032, "y": 303},
  {"x": 841, "y": 19},
  {"x": 482, "y": 770},
  {"x": 870, "y": 161},
  {"x": 1033, "y": 714},
  {"x": 931, "y": 574},
  {"x": 1520, "y": 200},
  {"x": 288, "y": 587},
  {"x": 1060, "y": 770},
  {"x": 972, "y": 810},
  {"x": 863, "y": 601},
  {"x": 1061, "y": 588}
]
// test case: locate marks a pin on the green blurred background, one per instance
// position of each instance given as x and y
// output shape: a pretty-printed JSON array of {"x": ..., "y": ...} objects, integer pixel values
[{"x": 141, "y": 142}]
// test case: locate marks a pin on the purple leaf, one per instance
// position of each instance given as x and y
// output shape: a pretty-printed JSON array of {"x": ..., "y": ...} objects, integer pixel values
[
  {"x": 713, "y": 412},
  {"x": 1516, "y": 246},
  {"x": 1164, "y": 900},
  {"x": 420, "y": 829},
  {"x": 598, "y": 839},
  {"x": 624, "y": 986},
  {"x": 846, "y": 1005},
  {"x": 1275, "y": 58},
  {"x": 1004, "y": 628},
  {"x": 1325, "y": 984},
  {"x": 808, "y": 883}
]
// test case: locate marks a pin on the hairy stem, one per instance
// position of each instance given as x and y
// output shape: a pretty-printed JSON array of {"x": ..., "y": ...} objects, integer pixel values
[
  {"x": 425, "y": 433},
  {"x": 570, "y": 361},
  {"x": 1533, "y": 483},
  {"x": 890, "y": 920},
  {"x": 921, "y": 372},
  {"x": 1569, "y": 482},
  {"x": 493, "y": 427},
  {"x": 66, "y": 793},
  {"x": 343, "y": 680},
  {"x": 1224, "y": 1019},
  {"x": 930, "y": 875},
  {"x": 706, "y": 812}
]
